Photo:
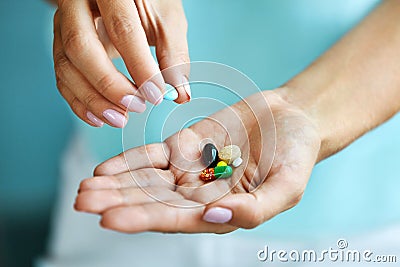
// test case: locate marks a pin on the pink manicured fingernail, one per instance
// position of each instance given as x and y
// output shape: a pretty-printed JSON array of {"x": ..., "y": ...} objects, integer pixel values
[
  {"x": 133, "y": 103},
  {"x": 218, "y": 215},
  {"x": 96, "y": 121},
  {"x": 115, "y": 118},
  {"x": 153, "y": 93}
]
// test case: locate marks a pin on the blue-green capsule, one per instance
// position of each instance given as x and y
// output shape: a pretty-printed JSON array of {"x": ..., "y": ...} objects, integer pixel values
[
  {"x": 223, "y": 172},
  {"x": 171, "y": 93}
]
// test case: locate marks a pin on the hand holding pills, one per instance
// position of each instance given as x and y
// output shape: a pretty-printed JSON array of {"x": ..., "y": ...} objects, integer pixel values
[
  {"x": 88, "y": 33},
  {"x": 161, "y": 188}
]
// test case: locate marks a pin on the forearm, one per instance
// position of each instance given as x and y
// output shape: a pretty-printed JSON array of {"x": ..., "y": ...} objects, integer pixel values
[{"x": 355, "y": 86}]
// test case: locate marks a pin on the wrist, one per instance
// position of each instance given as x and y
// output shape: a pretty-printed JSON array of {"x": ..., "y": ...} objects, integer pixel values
[{"x": 325, "y": 117}]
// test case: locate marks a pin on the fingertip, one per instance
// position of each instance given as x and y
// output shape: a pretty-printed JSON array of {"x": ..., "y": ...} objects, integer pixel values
[
  {"x": 95, "y": 121},
  {"x": 171, "y": 93},
  {"x": 84, "y": 185},
  {"x": 152, "y": 93},
  {"x": 78, "y": 204},
  {"x": 96, "y": 201},
  {"x": 186, "y": 87},
  {"x": 103, "y": 223},
  {"x": 115, "y": 118},
  {"x": 98, "y": 183},
  {"x": 176, "y": 76},
  {"x": 107, "y": 221},
  {"x": 134, "y": 103},
  {"x": 184, "y": 97},
  {"x": 98, "y": 170},
  {"x": 113, "y": 220},
  {"x": 184, "y": 90},
  {"x": 101, "y": 169},
  {"x": 111, "y": 166}
]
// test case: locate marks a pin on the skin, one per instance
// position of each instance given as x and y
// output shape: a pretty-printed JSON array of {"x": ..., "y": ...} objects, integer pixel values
[
  {"x": 351, "y": 89},
  {"x": 89, "y": 33},
  {"x": 115, "y": 195}
]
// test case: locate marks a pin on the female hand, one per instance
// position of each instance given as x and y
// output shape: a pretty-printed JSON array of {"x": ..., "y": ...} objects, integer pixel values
[
  {"x": 88, "y": 33},
  {"x": 337, "y": 99},
  {"x": 157, "y": 187}
]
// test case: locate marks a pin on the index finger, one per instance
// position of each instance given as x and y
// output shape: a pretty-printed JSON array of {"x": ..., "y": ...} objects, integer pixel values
[
  {"x": 148, "y": 156},
  {"x": 84, "y": 49},
  {"x": 124, "y": 26}
]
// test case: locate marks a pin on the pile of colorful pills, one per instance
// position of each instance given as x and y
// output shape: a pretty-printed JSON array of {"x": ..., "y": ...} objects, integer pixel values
[{"x": 217, "y": 163}]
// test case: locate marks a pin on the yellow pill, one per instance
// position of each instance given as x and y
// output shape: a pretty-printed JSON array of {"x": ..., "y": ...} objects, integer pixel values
[{"x": 222, "y": 163}]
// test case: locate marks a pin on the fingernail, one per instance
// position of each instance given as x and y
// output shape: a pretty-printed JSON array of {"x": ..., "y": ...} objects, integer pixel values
[
  {"x": 115, "y": 118},
  {"x": 152, "y": 92},
  {"x": 218, "y": 215},
  {"x": 133, "y": 103},
  {"x": 96, "y": 121},
  {"x": 171, "y": 93},
  {"x": 186, "y": 86}
]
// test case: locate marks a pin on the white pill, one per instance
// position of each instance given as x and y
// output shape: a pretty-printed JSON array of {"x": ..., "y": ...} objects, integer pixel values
[{"x": 237, "y": 162}]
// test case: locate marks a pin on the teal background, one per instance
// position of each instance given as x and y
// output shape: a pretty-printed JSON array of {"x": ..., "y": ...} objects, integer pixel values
[
  {"x": 270, "y": 41},
  {"x": 35, "y": 128}
]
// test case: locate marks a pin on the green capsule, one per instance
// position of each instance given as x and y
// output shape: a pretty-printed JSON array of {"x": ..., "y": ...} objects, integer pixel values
[{"x": 223, "y": 171}]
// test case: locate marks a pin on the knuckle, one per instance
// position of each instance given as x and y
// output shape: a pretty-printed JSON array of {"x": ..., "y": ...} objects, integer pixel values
[
  {"x": 152, "y": 149},
  {"x": 121, "y": 27},
  {"x": 56, "y": 20},
  {"x": 75, "y": 43},
  {"x": 60, "y": 59},
  {"x": 60, "y": 74},
  {"x": 178, "y": 60},
  {"x": 296, "y": 198},
  {"x": 60, "y": 86},
  {"x": 74, "y": 103},
  {"x": 181, "y": 56},
  {"x": 294, "y": 186},
  {"x": 90, "y": 100},
  {"x": 155, "y": 149},
  {"x": 106, "y": 83},
  {"x": 254, "y": 221}
]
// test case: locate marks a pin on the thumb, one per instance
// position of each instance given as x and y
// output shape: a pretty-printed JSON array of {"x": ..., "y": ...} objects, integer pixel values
[
  {"x": 248, "y": 210},
  {"x": 173, "y": 54}
]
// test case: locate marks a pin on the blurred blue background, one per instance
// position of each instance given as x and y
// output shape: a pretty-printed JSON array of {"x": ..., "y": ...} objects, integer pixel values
[
  {"x": 36, "y": 124},
  {"x": 35, "y": 127}
]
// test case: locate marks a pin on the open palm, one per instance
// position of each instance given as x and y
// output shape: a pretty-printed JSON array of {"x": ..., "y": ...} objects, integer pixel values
[{"x": 157, "y": 187}]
